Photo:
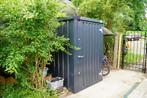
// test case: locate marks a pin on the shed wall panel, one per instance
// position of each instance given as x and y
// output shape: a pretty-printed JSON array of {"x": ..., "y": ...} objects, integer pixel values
[{"x": 82, "y": 68}]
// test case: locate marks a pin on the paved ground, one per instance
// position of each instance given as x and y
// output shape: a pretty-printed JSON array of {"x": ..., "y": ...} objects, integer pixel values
[
  {"x": 140, "y": 91},
  {"x": 115, "y": 85}
]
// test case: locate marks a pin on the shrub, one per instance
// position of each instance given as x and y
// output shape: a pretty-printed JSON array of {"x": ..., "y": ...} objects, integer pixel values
[{"x": 27, "y": 41}]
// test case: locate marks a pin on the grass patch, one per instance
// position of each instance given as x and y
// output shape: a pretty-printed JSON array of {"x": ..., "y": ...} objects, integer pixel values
[{"x": 131, "y": 58}]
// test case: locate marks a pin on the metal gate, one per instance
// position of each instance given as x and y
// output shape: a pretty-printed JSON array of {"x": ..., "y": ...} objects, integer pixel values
[{"x": 134, "y": 51}]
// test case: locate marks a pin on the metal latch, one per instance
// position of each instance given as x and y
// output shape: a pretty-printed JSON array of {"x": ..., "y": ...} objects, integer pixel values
[{"x": 80, "y": 56}]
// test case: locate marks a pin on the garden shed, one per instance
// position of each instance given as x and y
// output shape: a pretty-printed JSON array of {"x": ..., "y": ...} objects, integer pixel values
[{"x": 82, "y": 68}]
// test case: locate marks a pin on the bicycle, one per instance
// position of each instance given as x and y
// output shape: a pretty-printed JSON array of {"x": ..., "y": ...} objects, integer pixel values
[{"x": 105, "y": 67}]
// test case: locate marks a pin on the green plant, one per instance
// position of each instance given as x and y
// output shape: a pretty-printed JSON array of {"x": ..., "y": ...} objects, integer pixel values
[
  {"x": 28, "y": 38},
  {"x": 131, "y": 58},
  {"x": 109, "y": 47},
  {"x": 119, "y": 16},
  {"x": 141, "y": 33},
  {"x": 13, "y": 91}
]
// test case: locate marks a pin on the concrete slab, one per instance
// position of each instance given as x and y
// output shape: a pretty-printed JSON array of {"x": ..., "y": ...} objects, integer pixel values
[
  {"x": 140, "y": 91},
  {"x": 115, "y": 85}
]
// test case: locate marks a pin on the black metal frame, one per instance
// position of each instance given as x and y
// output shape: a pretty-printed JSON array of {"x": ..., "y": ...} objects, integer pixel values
[{"x": 135, "y": 57}]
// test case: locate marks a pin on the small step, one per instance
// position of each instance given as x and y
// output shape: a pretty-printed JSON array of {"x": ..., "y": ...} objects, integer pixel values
[{"x": 140, "y": 91}]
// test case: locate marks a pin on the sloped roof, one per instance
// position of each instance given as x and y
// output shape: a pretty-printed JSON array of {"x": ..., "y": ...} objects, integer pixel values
[{"x": 107, "y": 32}]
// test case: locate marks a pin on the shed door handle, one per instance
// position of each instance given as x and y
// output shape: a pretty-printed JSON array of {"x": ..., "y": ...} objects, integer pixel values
[{"x": 80, "y": 56}]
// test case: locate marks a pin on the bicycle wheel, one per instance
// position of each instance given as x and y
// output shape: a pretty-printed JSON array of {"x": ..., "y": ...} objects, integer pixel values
[{"x": 106, "y": 70}]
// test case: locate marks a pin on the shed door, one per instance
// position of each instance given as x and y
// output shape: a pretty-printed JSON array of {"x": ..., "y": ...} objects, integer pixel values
[{"x": 87, "y": 65}]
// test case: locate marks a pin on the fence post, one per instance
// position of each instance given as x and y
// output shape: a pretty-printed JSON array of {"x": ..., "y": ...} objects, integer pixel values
[
  {"x": 145, "y": 60},
  {"x": 115, "y": 58},
  {"x": 123, "y": 51},
  {"x": 119, "y": 51}
]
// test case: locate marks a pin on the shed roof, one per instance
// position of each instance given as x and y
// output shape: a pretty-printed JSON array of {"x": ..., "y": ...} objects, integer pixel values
[{"x": 107, "y": 32}]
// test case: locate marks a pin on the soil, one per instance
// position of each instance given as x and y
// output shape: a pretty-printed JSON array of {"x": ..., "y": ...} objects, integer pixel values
[{"x": 8, "y": 80}]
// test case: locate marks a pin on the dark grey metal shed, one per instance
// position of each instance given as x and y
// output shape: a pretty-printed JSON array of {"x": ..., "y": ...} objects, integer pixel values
[{"x": 83, "y": 67}]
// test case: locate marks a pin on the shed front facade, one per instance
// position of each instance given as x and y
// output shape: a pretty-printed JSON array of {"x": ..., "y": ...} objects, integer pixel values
[{"x": 81, "y": 69}]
